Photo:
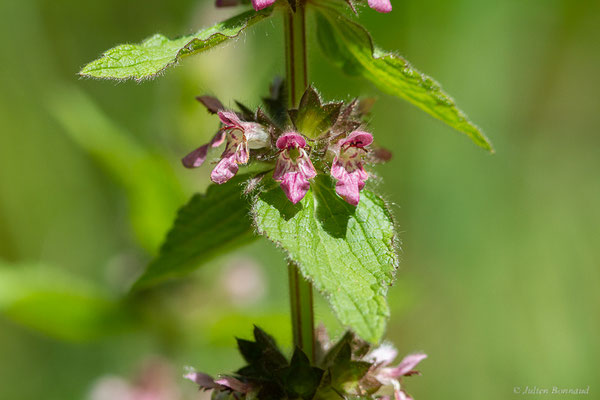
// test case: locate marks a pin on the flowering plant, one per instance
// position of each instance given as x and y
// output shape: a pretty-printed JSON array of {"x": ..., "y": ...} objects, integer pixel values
[{"x": 295, "y": 170}]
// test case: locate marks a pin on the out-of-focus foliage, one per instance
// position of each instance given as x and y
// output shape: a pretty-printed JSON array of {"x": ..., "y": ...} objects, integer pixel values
[
  {"x": 58, "y": 304},
  {"x": 152, "y": 189},
  {"x": 499, "y": 277}
]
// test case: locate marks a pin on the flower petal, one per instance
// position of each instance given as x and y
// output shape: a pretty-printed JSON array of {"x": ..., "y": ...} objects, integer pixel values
[
  {"x": 230, "y": 119},
  {"x": 407, "y": 365},
  {"x": 225, "y": 169},
  {"x": 196, "y": 158},
  {"x": 357, "y": 139},
  {"x": 218, "y": 139},
  {"x": 212, "y": 104},
  {"x": 256, "y": 135},
  {"x": 383, "y": 355},
  {"x": 348, "y": 189},
  {"x": 201, "y": 379},
  {"x": 337, "y": 169},
  {"x": 291, "y": 140},
  {"x": 233, "y": 384},
  {"x": 295, "y": 186},
  {"x": 260, "y": 4},
  {"x": 383, "y": 6},
  {"x": 305, "y": 166},
  {"x": 284, "y": 165},
  {"x": 349, "y": 184}
]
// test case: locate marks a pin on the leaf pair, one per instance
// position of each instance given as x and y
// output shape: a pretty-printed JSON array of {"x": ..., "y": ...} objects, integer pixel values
[{"x": 344, "y": 41}]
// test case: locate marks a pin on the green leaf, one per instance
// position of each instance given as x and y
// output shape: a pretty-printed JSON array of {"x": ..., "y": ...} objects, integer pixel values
[
  {"x": 157, "y": 53},
  {"x": 349, "y": 45},
  {"x": 152, "y": 188},
  {"x": 49, "y": 301},
  {"x": 209, "y": 225},
  {"x": 348, "y": 252}
]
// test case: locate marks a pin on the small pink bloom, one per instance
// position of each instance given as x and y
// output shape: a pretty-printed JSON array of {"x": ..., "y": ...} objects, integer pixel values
[
  {"x": 383, "y": 6},
  {"x": 348, "y": 168},
  {"x": 241, "y": 136},
  {"x": 224, "y": 383},
  {"x": 393, "y": 375},
  {"x": 260, "y": 4},
  {"x": 293, "y": 168},
  {"x": 406, "y": 366}
]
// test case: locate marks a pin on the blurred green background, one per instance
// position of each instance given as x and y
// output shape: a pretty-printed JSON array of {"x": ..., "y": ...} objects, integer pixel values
[{"x": 500, "y": 276}]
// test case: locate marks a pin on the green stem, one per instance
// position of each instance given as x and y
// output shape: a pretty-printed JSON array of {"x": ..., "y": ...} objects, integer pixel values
[
  {"x": 301, "y": 301},
  {"x": 301, "y": 296},
  {"x": 295, "y": 52}
]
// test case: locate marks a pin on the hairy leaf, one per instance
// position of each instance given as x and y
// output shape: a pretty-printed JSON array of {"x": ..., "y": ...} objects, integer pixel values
[
  {"x": 349, "y": 45},
  {"x": 157, "y": 53},
  {"x": 209, "y": 225},
  {"x": 348, "y": 252}
]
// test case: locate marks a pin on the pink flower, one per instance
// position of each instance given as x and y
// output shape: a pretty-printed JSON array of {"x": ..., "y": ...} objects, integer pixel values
[
  {"x": 240, "y": 136},
  {"x": 347, "y": 166},
  {"x": 260, "y": 4},
  {"x": 392, "y": 376},
  {"x": 294, "y": 167},
  {"x": 224, "y": 383},
  {"x": 383, "y": 6}
]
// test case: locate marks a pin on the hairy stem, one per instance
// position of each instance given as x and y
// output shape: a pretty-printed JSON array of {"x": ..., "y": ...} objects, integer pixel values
[
  {"x": 301, "y": 300},
  {"x": 301, "y": 296},
  {"x": 295, "y": 52}
]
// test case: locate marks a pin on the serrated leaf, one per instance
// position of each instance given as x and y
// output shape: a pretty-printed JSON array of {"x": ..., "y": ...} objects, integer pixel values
[
  {"x": 348, "y": 252},
  {"x": 349, "y": 45},
  {"x": 209, "y": 225},
  {"x": 157, "y": 53}
]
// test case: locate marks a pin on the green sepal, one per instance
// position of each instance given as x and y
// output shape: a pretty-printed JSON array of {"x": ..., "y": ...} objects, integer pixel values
[
  {"x": 313, "y": 118},
  {"x": 302, "y": 379}
]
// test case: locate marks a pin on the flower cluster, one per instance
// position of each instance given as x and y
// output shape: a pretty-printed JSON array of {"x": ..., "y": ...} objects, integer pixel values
[
  {"x": 345, "y": 369},
  {"x": 383, "y": 6},
  {"x": 339, "y": 148}
]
